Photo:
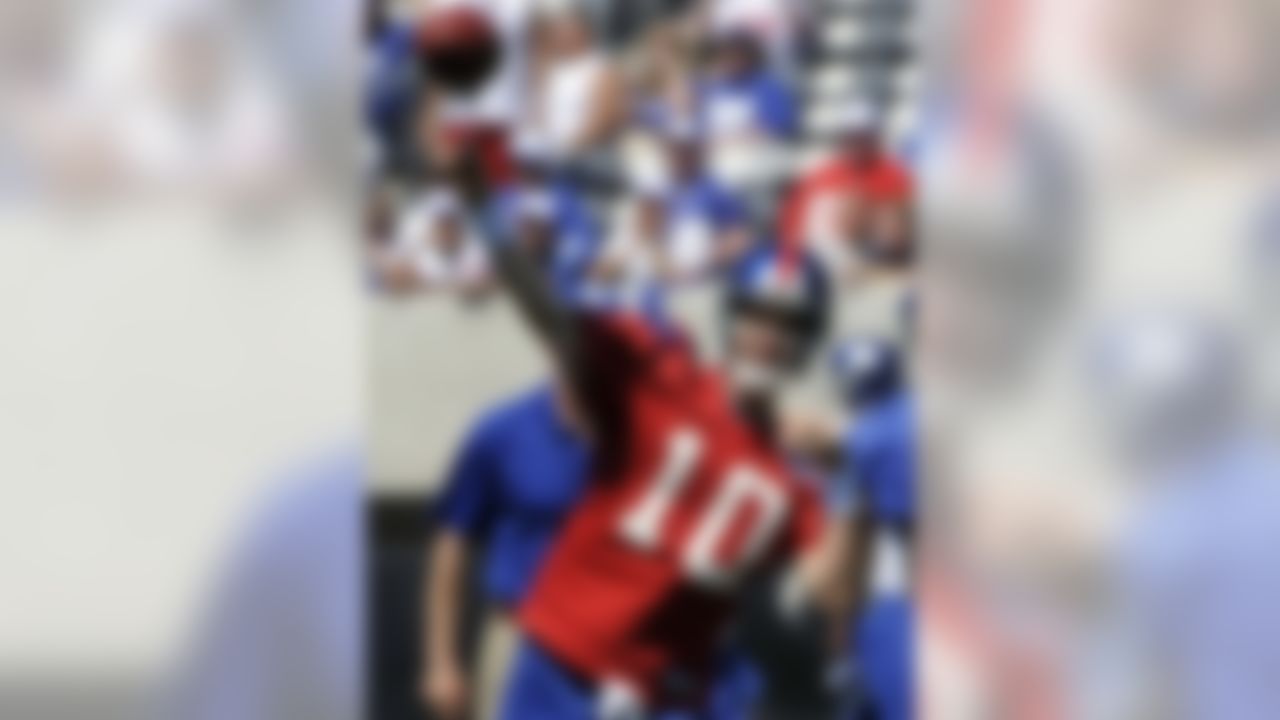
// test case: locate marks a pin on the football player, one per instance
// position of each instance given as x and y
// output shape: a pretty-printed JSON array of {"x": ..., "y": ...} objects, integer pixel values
[
  {"x": 520, "y": 470},
  {"x": 689, "y": 494},
  {"x": 876, "y": 494}
]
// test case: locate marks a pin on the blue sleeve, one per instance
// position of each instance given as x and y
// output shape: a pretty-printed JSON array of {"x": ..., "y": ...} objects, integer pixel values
[
  {"x": 469, "y": 498},
  {"x": 848, "y": 492}
]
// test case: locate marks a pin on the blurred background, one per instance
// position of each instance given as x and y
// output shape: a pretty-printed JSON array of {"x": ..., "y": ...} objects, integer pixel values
[{"x": 182, "y": 334}]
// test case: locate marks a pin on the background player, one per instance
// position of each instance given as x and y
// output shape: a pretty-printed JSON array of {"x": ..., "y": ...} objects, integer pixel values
[
  {"x": 520, "y": 470},
  {"x": 876, "y": 493}
]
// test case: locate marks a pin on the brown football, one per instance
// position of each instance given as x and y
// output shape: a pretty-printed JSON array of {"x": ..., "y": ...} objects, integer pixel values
[{"x": 458, "y": 48}]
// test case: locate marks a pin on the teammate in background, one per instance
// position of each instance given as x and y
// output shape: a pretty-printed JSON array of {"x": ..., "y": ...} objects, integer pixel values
[
  {"x": 519, "y": 472},
  {"x": 689, "y": 495},
  {"x": 877, "y": 494}
]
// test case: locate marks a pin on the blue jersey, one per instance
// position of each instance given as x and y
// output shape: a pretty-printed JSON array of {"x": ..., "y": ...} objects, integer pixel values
[
  {"x": 520, "y": 471},
  {"x": 880, "y": 455},
  {"x": 880, "y": 452}
]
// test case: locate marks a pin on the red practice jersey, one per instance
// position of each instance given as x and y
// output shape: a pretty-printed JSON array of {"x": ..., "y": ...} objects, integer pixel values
[{"x": 686, "y": 502}]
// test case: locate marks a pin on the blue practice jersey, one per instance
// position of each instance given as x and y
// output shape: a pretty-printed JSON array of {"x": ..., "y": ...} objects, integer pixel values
[
  {"x": 520, "y": 471},
  {"x": 880, "y": 480},
  {"x": 880, "y": 454}
]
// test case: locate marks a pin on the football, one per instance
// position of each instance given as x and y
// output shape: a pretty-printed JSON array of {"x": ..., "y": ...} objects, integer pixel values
[{"x": 458, "y": 48}]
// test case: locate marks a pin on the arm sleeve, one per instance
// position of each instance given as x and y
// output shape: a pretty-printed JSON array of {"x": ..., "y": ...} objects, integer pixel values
[
  {"x": 852, "y": 489},
  {"x": 470, "y": 493},
  {"x": 619, "y": 350}
]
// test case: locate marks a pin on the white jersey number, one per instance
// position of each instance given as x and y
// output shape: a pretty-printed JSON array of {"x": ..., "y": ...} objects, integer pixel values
[{"x": 742, "y": 487}]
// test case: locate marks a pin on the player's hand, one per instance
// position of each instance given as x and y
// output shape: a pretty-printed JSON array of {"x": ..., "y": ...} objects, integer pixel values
[{"x": 445, "y": 692}]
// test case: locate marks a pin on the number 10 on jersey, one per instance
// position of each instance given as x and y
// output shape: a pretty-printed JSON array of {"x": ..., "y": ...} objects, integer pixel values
[{"x": 741, "y": 488}]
